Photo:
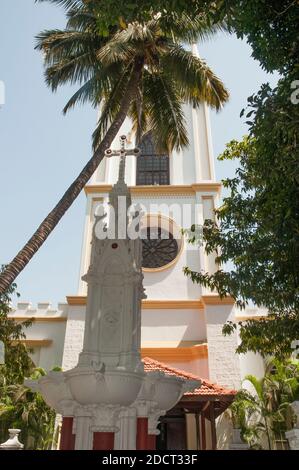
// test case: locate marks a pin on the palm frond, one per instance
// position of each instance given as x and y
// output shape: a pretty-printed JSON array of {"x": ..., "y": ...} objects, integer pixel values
[
  {"x": 111, "y": 105},
  {"x": 197, "y": 82},
  {"x": 257, "y": 384},
  {"x": 86, "y": 93},
  {"x": 165, "y": 114},
  {"x": 138, "y": 117},
  {"x": 62, "y": 44},
  {"x": 94, "y": 89},
  {"x": 81, "y": 21},
  {"x": 70, "y": 56},
  {"x": 187, "y": 29},
  {"x": 69, "y": 71},
  {"x": 66, "y": 4}
]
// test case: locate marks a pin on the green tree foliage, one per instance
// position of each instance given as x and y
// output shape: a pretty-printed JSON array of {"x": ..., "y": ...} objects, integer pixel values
[
  {"x": 270, "y": 27},
  {"x": 115, "y": 13},
  {"x": 19, "y": 407},
  {"x": 17, "y": 361},
  {"x": 257, "y": 230},
  {"x": 240, "y": 411},
  {"x": 258, "y": 226}
]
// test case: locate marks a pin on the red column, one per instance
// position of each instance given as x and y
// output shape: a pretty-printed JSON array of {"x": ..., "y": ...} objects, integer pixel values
[
  {"x": 103, "y": 440},
  {"x": 151, "y": 442},
  {"x": 142, "y": 434},
  {"x": 67, "y": 439}
]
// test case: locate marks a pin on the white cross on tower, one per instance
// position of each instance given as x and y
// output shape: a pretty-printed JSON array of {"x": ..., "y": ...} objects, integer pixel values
[{"x": 122, "y": 153}]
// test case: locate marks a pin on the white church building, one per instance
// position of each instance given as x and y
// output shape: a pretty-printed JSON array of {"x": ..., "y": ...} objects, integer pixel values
[{"x": 181, "y": 322}]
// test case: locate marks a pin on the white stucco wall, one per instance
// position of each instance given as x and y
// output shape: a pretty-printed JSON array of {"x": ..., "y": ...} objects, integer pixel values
[
  {"x": 173, "y": 325},
  {"x": 224, "y": 363},
  {"x": 250, "y": 363},
  {"x": 73, "y": 336}
]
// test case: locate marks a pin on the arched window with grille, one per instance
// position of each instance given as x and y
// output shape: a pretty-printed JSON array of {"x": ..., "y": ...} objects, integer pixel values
[{"x": 152, "y": 167}]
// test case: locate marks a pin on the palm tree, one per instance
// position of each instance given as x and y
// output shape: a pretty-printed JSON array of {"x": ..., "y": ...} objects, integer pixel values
[
  {"x": 136, "y": 70},
  {"x": 273, "y": 395},
  {"x": 262, "y": 405}
]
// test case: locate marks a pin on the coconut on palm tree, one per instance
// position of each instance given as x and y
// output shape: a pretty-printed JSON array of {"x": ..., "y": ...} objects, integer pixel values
[{"x": 140, "y": 70}]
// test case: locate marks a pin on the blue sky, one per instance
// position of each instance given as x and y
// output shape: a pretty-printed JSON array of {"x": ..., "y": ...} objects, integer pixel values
[{"x": 41, "y": 151}]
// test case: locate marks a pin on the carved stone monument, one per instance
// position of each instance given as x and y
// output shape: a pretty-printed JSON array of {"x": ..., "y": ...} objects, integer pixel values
[{"x": 107, "y": 401}]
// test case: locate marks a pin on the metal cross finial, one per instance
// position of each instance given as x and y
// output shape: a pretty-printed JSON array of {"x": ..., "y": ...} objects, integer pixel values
[{"x": 122, "y": 153}]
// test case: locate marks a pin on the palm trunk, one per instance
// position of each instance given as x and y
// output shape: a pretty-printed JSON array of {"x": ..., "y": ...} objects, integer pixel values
[
  {"x": 14, "y": 268},
  {"x": 268, "y": 434}
]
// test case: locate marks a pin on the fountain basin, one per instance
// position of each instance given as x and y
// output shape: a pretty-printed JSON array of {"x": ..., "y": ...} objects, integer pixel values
[
  {"x": 116, "y": 387},
  {"x": 165, "y": 390}
]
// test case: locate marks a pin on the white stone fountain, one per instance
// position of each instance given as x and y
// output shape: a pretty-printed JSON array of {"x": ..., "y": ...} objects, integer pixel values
[{"x": 107, "y": 401}]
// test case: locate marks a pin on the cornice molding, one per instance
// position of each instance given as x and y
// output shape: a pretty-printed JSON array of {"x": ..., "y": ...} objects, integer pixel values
[
  {"x": 39, "y": 319},
  {"x": 211, "y": 299},
  {"x": 200, "y": 351},
  {"x": 172, "y": 304},
  {"x": 190, "y": 190},
  {"x": 36, "y": 342},
  {"x": 77, "y": 300}
]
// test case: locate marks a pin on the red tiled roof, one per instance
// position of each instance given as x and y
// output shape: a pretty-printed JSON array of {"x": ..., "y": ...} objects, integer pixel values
[{"x": 207, "y": 388}]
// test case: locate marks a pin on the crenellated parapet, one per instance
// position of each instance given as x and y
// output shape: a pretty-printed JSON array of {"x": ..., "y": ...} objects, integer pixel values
[{"x": 26, "y": 311}]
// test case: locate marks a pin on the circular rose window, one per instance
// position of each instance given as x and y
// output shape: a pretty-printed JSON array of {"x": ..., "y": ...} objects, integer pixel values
[{"x": 160, "y": 242}]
